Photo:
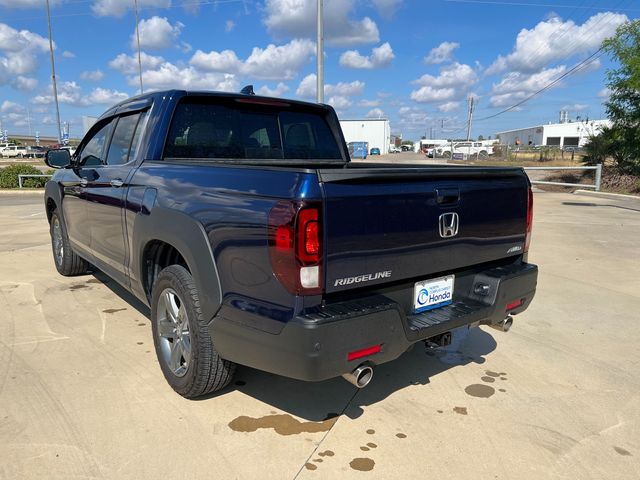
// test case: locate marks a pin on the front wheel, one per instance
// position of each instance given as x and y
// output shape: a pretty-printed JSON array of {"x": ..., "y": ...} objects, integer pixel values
[
  {"x": 185, "y": 351},
  {"x": 67, "y": 262}
]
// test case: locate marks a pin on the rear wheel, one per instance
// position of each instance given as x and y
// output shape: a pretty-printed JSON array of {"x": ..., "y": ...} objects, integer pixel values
[
  {"x": 66, "y": 261},
  {"x": 483, "y": 154},
  {"x": 185, "y": 351},
  {"x": 446, "y": 154}
]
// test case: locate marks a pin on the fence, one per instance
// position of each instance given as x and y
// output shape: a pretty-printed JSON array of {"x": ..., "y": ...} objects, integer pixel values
[
  {"x": 595, "y": 186},
  {"x": 21, "y": 176}
]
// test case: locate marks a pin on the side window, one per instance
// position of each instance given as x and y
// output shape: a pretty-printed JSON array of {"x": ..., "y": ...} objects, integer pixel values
[
  {"x": 124, "y": 139},
  {"x": 92, "y": 152}
]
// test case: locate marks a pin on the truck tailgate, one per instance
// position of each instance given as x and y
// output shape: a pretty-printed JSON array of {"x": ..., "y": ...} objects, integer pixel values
[{"x": 383, "y": 224}]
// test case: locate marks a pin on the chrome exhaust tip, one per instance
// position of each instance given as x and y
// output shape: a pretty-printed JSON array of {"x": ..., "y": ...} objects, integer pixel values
[
  {"x": 360, "y": 377},
  {"x": 504, "y": 326}
]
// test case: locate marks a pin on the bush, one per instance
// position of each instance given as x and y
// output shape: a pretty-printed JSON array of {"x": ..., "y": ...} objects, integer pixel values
[{"x": 9, "y": 177}]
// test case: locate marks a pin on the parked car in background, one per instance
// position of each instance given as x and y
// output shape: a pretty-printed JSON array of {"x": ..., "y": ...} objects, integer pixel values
[
  {"x": 35, "y": 152},
  {"x": 394, "y": 150},
  {"x": 374, "y": 151},
  {"x": 14, "y": 151},
  {"x": 72, "y": 150}
]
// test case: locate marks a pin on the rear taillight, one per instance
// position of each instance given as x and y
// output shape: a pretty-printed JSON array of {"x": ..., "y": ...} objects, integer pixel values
[
  {"x": 527, "y": 240},
  {"x": 295, "y": 246}
]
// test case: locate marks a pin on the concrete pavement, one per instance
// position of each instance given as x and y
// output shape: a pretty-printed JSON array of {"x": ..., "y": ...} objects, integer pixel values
[{"x": 81, "y": 394}]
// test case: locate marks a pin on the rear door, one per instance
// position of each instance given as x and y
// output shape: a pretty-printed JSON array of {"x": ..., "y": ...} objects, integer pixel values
[{"x": 388, "y": 225}]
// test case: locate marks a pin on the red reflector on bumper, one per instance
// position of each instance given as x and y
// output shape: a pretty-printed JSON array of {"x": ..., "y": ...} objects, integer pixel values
[
  {"x": 514, "y": 304},
  {"x": 365, "y": 352}
]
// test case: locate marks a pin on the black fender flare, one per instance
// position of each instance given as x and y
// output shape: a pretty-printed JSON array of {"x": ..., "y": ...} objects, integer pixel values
[
  {"x": 52, "y": 191},
  {"x": 185, "y": 234}
]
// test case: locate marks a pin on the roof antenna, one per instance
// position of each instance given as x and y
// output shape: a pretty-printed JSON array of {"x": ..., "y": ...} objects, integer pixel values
[{"x": 248, "y": 90}]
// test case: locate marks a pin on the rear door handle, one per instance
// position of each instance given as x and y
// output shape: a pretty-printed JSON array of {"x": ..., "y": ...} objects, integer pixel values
[
  {"x": 116, "y": 183},
  {"x": 447, "y": 196}
]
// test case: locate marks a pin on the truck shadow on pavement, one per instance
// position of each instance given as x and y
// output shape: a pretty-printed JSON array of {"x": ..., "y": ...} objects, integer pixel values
[{"x": 317, "y": 401}]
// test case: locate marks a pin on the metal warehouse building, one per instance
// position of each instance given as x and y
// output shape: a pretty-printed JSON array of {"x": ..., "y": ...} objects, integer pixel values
[
  {"x": 377, "y": 132},
  {"x": 565, "y": 134}
]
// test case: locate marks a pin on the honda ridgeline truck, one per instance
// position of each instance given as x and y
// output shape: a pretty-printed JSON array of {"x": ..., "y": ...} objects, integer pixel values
[{"x": 240, "y": 221}]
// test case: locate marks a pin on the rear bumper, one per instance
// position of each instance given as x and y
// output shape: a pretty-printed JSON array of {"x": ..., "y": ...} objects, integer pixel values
[{"x": 314, "y": 346}]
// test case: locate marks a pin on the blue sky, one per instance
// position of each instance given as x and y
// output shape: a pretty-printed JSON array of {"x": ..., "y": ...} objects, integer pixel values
[{"x": 414, "y": 62}]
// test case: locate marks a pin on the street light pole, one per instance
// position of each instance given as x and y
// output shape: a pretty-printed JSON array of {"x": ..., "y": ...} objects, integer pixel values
[
  {"x": 135, "y": 2},
  {"x": 53, "y": 75},
  {"x": 320, "y": 56}
]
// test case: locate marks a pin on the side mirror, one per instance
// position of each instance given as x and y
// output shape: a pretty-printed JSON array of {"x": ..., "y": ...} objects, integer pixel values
[{"x": 58, "y": 158}]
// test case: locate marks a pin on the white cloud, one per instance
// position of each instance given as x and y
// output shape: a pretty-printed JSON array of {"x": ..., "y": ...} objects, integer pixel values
[
  {"x": 337, "y": 95},
  {"x": 128, "y": 64},
  {"x": 442, "y": 53},
  {"x": 229, "y": 25},
  {"x": 281, "y": 62},
  {"x": 279, "y": 91},
  {"x": 19, "y": 51},
  {"x": 157, "y": 33},
  {"x": 452, "y": 83},
  {"x": 297, "y": 19},
  {"x": 380, "y": 57},
  {"x": 516, "y": 86},
  {"x": 25, "y": 83},
  {"x": 375, "y": 113},
  {"x": 575, "y": 107},
  {"x": 387, "y": 8},
  {"x": 168, "y": 75},
  {"x": 117, "y": 8},
  {"x": 11, "y": 107},
  {"x": 103, "y": 96},
  {"x": 92, "y": 75},
  {"x": 413, "y": 119},
  {"x": 70, "y": 93},
  {"x": 554, "y": 40},
  {"x": 449, "y": 106},
  {"x": 605, "y": 93},
  {"x": 24, "y": 3},
  {"x": 68, "y": 54},
  {"x": 369, "y": 103}
]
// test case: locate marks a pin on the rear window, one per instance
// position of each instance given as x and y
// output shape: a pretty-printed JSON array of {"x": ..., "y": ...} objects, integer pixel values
[{"x": 215, "y": 127}]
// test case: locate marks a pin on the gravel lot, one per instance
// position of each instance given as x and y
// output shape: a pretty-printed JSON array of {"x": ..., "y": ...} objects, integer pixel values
[{"x": 558, "y": 397}]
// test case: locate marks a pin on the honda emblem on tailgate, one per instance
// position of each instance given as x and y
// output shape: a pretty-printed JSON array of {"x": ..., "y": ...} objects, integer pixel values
[{"x": 448, "y": 223}]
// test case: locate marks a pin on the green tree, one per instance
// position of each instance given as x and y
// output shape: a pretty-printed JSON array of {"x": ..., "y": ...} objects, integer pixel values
[
  {"x": 623, "y": 106},
  {"x": 480, "y": 138}
]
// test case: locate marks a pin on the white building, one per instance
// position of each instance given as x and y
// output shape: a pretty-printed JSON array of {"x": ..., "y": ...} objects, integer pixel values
[
  {"x": 375, "y": 131},
  {"x": 566, "y": 134}
]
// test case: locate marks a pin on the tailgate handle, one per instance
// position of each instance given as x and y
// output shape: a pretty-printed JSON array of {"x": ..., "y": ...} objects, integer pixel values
[{"x": 447, "y": 196}]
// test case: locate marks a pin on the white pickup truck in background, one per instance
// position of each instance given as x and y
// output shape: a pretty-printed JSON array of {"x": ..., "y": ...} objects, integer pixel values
[
  {"x": 12, "y": 151},
  {"x": 466, "y": 148}
]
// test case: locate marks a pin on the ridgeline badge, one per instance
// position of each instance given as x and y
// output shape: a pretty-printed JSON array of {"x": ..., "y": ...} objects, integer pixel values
[{"x": 367, "y": 277}]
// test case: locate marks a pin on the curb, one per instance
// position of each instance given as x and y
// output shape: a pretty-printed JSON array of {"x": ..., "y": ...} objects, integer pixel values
[
  {"x": 21, "y": 191},
  {"x": 613, "y": 196}
]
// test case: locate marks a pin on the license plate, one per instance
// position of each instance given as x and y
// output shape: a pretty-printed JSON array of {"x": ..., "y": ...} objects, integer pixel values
[{"x": 434, "y": 293}]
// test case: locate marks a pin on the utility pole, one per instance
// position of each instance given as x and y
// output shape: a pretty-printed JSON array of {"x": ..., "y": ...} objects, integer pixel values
[
  {"x": 135, "y": 2},
  {"x": 470, "y": 106},
  {"x": 53, "y": 74},
  {"x": 320, "y": 56}
]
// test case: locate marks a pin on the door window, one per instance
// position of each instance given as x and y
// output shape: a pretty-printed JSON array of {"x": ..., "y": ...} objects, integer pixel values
[
  {"x": 125, "y": 139},
  {"x": 92, "y": 153}
]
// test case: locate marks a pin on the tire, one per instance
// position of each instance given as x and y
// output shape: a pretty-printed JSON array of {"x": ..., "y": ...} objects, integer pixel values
[
  {"x": 483, "y": 154},
  {"x": 446, "y": 154},
  {"x": 67, "y": 262},
  {"x": 185, "y": 351}
]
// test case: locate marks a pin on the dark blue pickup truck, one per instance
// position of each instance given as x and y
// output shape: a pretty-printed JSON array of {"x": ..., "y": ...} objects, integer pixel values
[{"x": 242, "y": 223}]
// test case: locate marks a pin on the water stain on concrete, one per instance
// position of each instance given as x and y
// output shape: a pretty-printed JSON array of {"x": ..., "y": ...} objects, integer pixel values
[
  {"x": 77, "y": 286},
  {"x": 371, "y": 431},
  {"x": 488, "y": 379},
  {"x": 141, "y": 324},
  {"x": 95, "y": 280},
  {"x": 460, "y": 410},
  {"x": 479, "y": 390},
  {"x": 401, "y": 435},
  {"x": 114, "y": 310},
  {"x": 440, "y": 411},
  {"x": 623, "y": 452},
  {"x": 326, "y": 453},
  {"x": 364, "y": 449},
  {"x": 492, "y": 374},
  {"x": 362, "y": 464},
  {"x": 372, "y": 445},
  {"x": 318, "y": 460},
  {"x": 283, "y": 424},
  {"x": 501, "y": 390},
  {"x": 140, "y": 343},
  {"x": 310, "y": 466}
]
